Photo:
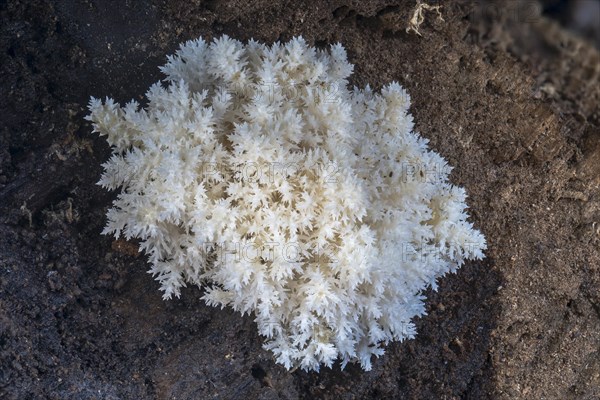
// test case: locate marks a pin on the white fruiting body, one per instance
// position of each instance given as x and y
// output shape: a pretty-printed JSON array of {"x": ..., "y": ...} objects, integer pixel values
[{"x": 259, "y": 176}]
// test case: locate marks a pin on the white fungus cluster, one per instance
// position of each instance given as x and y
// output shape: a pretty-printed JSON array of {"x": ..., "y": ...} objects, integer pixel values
[{"x": 257, "y": 174}]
